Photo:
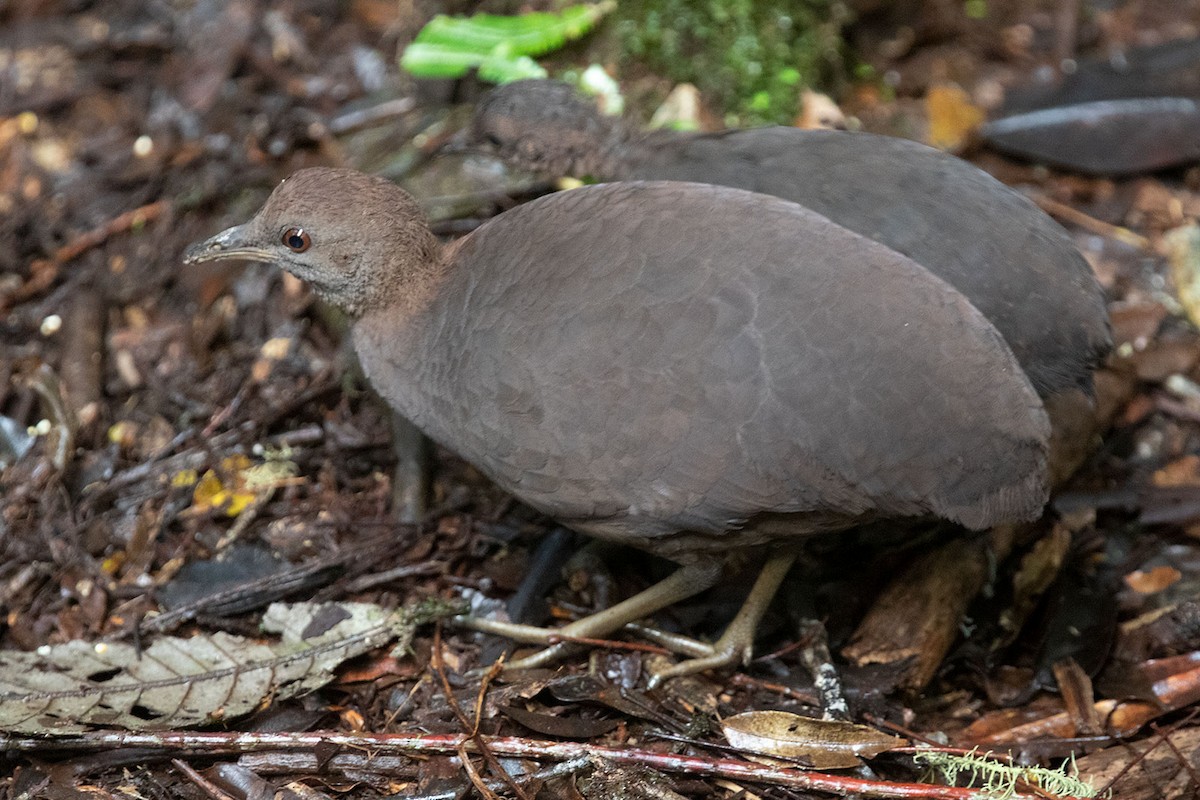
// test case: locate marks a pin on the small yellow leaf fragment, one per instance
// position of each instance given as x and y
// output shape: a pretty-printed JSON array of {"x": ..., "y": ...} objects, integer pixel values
[
  {"x": 209, "y": 491},
  {"x": 238, "y": 502},
  {"x": 822, "y": 744},
  {"x": 184, "y": 478},
  {"x": 235, "y": 463},
  {"x": 952, "y": 116},
  {"x": 246, "y": 481},
  {"x": 123, "y": 433}
]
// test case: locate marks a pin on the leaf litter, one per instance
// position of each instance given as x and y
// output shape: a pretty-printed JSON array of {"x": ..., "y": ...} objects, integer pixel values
[{"x": 203, "y": 110}]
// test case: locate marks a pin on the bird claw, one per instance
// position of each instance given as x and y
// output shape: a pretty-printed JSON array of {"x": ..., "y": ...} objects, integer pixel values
[
  {"x": 733, "y": 648},
  {"x": 730, "y": 651},
  {"x": 542, "y": 658}
]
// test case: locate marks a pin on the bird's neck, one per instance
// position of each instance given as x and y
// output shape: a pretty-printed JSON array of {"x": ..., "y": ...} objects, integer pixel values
[
  {"x": 403, "y": 305},
  {"x": 401, "y": 344},
  {"x": 599, "y": 154},
  {"x": 391, "y": 352},
  {"x": 609, "y": 159},
  {"x": 648, "y": 147},
  {"x": 407, "y": 287}
]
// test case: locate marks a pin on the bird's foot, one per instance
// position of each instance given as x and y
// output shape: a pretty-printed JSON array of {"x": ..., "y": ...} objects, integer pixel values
[
  {"x": 683, "y": 583},
  {"x": 733, "y": 648},
  {"x": 737, "y": 643}
]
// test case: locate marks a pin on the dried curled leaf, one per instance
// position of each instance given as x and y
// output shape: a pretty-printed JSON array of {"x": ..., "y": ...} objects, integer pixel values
[
  {"x": 821, "y": 744},
  {"x": 182, "y": 682}
]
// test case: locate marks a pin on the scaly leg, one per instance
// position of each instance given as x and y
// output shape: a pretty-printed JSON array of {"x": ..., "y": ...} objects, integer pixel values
[
  {"x": 737, "y": 643},
  {"x": 682, "y": 584},
  {"x": 410, "y": 479}
]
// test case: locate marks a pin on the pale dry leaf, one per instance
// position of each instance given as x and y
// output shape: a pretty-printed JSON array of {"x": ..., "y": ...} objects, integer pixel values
[
  {"x": 1183, "y": 257},
  {"x": 821, "y": 744},
  {"x": 680, "y": 111},
  {"x": 175, "y": 682},
  {"x": 819, "y": 112}
]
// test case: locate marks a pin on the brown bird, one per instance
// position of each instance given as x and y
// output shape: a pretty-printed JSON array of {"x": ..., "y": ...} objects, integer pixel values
[
  {"x": 693, "y": 370},
  {"x": 1011, "y": 260}
]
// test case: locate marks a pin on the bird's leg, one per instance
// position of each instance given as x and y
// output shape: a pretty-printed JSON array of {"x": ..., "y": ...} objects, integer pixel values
[
  {"x": 553, "y": 550},
  {"x": 737, "y": 642},
  {"x": 680, "y": 585},
  {"x": 410, "y": 479}
]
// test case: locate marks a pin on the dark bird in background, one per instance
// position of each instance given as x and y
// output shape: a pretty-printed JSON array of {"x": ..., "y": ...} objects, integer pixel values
[{"x": 1014, "y": 263}]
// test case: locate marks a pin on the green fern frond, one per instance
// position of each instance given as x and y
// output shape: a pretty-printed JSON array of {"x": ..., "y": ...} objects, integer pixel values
[
  {"x": 527, "y": 34},
  {"x": 505, "y": 69},
  {"x": 442, "y": 61},
  {"x": 501, "y": 47}
]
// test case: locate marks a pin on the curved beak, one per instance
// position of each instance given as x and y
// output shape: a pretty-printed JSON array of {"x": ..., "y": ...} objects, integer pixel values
[{"x": 236, "y": 242}]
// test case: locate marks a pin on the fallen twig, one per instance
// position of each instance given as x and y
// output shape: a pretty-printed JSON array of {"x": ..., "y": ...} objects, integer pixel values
[
  {"x": 210, "y": 743},
  {"x": 44, "y": 271},
  {"x": 1089, "y": 223}
]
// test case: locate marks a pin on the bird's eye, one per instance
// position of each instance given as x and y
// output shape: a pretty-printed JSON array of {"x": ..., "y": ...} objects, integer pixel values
[
  {"x": 296, "y": 240},
  {"x": 492, "y": 139}
]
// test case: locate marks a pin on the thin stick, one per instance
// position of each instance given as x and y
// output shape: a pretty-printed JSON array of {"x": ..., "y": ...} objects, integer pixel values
[
  {"x": 472, "y": 741},
  {"x": 1090, "y": 223},
  {"x": 220, "y": 742},
  {"x": 207, "y": 786},
  {"x": 99, "y": 235}
]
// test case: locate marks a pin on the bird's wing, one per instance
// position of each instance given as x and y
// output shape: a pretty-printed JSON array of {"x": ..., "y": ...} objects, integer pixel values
[{"x": 685, "y": 355}]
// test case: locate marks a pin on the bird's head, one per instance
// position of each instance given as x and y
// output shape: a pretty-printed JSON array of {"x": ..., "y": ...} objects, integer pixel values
[
  {"x": 542, "y": 126},
  {"x": 359, "y": 240}
]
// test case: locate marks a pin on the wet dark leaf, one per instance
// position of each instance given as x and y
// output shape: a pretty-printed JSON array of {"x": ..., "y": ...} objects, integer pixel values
[
  {"x": 564, "y": 727},
  {"x": 1106, "y": 137}
]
